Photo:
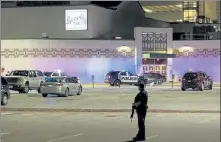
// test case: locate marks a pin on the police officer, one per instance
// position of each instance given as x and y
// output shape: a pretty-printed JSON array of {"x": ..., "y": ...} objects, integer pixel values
[{"x": 140, "y": 105}]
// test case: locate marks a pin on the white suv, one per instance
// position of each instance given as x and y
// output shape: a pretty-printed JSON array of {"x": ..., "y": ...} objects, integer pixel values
[
  {"x": 54, "y": 74},
  {"x": 58, "y": 74}
]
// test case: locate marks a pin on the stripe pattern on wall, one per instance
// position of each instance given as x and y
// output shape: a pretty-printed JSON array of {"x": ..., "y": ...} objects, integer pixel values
[
  {"x": 64, "y": 53},
  {"x": 198, "y": 53}
]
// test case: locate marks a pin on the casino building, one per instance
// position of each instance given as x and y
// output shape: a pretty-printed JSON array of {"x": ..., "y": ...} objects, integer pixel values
[{"x": 85, "y": 39}]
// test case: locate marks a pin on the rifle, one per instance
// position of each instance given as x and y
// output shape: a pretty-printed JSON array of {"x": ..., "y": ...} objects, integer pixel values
[{"x": 132, "y": 114}]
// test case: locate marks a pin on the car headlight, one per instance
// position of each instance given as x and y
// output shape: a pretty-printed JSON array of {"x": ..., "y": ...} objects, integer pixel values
[{"x": 21, "y": 81}]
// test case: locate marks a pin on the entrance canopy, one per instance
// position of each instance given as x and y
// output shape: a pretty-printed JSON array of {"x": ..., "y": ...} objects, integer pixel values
[{"x": 158, "y": 55}]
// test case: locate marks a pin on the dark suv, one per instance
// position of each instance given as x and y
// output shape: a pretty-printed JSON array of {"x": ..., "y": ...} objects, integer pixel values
[
  {"x": 198, "y": 80},
  {"x": 5, "y": 93}
]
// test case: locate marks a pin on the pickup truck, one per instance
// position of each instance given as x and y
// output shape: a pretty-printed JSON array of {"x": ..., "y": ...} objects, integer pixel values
[{"x": 25, "y": 80}]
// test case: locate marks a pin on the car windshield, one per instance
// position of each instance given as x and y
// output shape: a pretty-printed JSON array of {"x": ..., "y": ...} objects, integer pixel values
[
  {"x": 19, "y": 73},
  {"x": 113, "y": 73},
  {"x": 190, "y": 75},
  {"x": 54, "y": 80},
  {"x": 48, "y": 74}
]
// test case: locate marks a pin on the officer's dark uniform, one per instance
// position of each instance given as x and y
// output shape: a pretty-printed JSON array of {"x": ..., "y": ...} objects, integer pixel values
[{"x": 141, "y": 110}]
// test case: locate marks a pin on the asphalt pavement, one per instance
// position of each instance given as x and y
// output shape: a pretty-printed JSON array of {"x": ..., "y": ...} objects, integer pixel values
[
  {"x": 160, "y": 97},
  {"x": 107, "y": 127},
  {"x": 104, "y": 126}
]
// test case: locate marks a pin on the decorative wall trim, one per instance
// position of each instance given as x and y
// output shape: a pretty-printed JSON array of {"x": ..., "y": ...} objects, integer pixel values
[
  {"x": 92, "y": 53},
  {"x": 63, "y": 53},
  {"x": 197, "y": 53}
]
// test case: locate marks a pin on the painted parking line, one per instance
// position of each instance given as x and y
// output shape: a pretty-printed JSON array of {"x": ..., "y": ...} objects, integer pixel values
[
  {"x": 27, "y": 114},
  {"x": 208, "y": 120},
  {"x": 7, "y": 113},
  {"x": 2, "y": 134},
  {"x": 63, "y": 138},
  {"x": 150, "y": 137}
]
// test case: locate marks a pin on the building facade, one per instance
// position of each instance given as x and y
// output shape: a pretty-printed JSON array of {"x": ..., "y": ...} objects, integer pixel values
[
  {"x": 42, "y": 38},
  {"x": 85, "y": 58},
  {"x": 183, "y": 11},
  {"x": 36, "y": 22}
]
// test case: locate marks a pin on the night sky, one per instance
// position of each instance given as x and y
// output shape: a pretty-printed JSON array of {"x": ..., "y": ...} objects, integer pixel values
[{"x": 106, "y": 4}]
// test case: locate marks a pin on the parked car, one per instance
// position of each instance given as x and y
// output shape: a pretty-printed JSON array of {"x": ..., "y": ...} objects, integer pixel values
[
  {"x": 58, "y": 74},
  {"x": 62, "y": 86},
  {"x": 77, "y": 79},
  {"x": 199, "y": 80},
  {"x": 115, "y": 78},
  {"x": 5, "y": 92},
  {"x": 155, "y": 78},
  {"x": 25, "y": 80}
]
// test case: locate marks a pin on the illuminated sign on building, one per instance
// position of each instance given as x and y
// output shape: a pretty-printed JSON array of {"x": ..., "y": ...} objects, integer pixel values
[{"x": 76, "y": 19}]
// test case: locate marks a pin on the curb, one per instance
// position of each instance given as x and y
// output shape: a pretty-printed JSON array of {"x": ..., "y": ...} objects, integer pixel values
[
  {"x": 167, "y": 84},
  {"x": 105, "y": 110}
]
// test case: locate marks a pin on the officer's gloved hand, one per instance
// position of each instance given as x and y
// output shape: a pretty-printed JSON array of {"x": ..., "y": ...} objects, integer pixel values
[{"x": 131, "y": 116}]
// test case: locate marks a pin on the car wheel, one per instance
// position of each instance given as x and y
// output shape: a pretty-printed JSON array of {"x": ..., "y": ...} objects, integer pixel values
[
  {"x": 117, "y": 83},
  {"x": 44, "y": 95},
  {"x": 39, "y": 90},
  {"x": 183, "y": 89},
  {"x": 211, "y": 86},
  {"x": 4, "y": 100},
  {"x": 79, "y": 91},
  {"x": 26, "y": 88},
  {"x": 66, "y": 94},
  {"x": 201, "y": 88}
]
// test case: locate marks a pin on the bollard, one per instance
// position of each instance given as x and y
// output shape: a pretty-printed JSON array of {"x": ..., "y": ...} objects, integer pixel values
[
  {"x": 92, "y": 78},
  {"x": 173, "y": 76}
]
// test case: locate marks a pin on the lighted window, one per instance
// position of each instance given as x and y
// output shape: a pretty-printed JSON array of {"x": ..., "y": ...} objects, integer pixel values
[
  {"x": 188, "y": 4},
  {"x": 190, "y": 13}
]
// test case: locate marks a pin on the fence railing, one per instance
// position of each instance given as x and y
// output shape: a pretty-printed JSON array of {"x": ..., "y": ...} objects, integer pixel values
[{"x": 199, "y": 37}]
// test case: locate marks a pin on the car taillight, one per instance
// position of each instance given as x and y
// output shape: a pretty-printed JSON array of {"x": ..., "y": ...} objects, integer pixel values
[{"x": 59, "y": 84}]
